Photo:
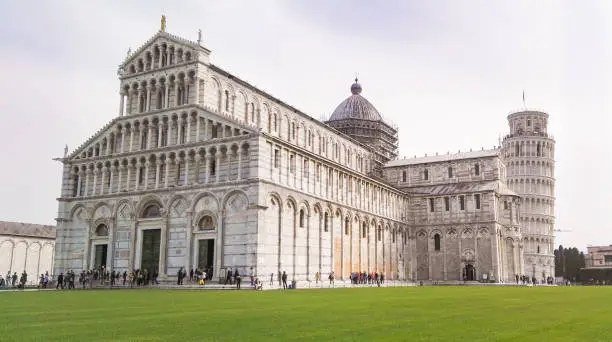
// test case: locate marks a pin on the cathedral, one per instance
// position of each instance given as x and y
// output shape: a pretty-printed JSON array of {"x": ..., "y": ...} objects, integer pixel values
[{"x": 200, "y": 169}]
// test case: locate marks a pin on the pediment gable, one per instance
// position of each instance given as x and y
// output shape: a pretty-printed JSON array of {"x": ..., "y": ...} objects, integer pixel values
[
  {"x": 162, "y": 42},
  {"x": 98, "y": 138}
]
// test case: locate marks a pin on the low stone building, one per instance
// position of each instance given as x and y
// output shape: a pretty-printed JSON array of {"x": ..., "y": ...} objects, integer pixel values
[{"x": 26, "y": 247}]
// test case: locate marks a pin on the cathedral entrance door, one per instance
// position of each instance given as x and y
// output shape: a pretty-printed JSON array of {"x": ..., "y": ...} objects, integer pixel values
[
  {"x": 151, "y": 239},
  {"x": 206, "y": 255},
  {"x": 100, "y": 256},
  {"x": 470, "y": 272}
]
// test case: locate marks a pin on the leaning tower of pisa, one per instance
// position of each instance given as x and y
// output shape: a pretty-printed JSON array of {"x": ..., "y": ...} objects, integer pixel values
[{"x": 529, "y": 155}]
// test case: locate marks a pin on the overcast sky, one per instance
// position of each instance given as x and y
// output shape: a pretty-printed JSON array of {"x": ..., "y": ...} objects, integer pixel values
[{"x": 446, "y": 72}]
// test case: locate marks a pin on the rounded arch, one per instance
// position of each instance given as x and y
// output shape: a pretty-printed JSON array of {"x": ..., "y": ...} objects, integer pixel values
[
  {"x": 306, "y": 206},
  {"x": 175, "y": 208},
  {"x": 290, "y": 201},
  {"x": 205, "y": 221},
  {"x": 78, "y": 207},
  {"x": 146, "y": 201},
  {"x": 229, "y": 195},
  {"x": 434, "y": 232},
  {"x": 121, "y": 203},
  {"x": 194, "y": 203},
  {"x": 276, "y": 197}
]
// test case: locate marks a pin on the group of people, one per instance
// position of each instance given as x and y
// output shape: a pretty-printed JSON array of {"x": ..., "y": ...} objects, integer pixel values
[
  {"x": 364, "y": 278},
  {"x": 11, "y": 280},
  {"x": 526, "y": 280}
]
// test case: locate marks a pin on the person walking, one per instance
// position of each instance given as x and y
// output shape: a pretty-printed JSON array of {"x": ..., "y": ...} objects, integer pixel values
[{"x": 284, "y": 277}]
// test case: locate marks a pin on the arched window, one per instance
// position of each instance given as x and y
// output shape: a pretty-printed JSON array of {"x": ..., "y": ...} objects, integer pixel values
[
  {"x": 477, "y": 169},
  {"x": 450, "y": 172},
  {"x": 75, "y": 185},
  {"x": 379, "y": 234},
  {"x": 404, "y": 176},
  {"x": 227, "y": 101},
  {"x": 141, "y": 107},
  {"x": 143, "y": 141},
  {"x": 102, "y": 230},
  {"x": 346, "y": 226},
  {"x": 152, "y": 210},
  {"x": 538, "y": 249},
  {"x": 160, "y": 99},
  {"x": 426, "y": 174},
  {"x": 437, "y": 242},
  {"x": 363, "y": 231},
  {"x": 252, "y": 112},
  {"x": 326, "y": 223},
  {"x": 539, "y": 150},
  {"x": 517, "y": 150},
  {"x": 206, "y": 223},
  {"x": 301, "y": 218}
]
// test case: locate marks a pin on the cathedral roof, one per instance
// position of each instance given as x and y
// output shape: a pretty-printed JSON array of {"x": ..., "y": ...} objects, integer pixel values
[
  {"x": 462, "y": 188},
  {"x": 355, "y": 107},
  {"x": 444, "y": 158},
  {"x": 27, "y": 230}
]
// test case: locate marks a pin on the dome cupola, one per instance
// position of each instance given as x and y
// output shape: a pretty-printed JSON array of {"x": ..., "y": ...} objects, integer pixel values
[{"x": 355, "y": 107}]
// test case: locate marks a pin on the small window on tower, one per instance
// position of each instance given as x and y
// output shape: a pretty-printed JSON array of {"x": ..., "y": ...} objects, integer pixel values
[
  {"x": 477, "y": 169},
  {"x": 431, "y": 205},
  {"x": 528, "y": 123},
  {"x": 477, "y": 199},
  {"x": 506, "y": 205},
  {"x": 461, "y": 202},
  {"x": 447, "y": 203},
  {"x": 404, "y": 176},
  {"x": 426, "y": 174},
  {"x": 276, "y": 159}
]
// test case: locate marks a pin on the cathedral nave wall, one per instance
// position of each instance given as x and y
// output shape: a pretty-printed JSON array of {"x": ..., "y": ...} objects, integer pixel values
[{"x": 302, "y": 234}]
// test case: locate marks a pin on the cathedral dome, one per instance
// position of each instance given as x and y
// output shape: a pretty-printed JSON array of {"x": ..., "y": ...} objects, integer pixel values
[{"x": 355, "y": 107}]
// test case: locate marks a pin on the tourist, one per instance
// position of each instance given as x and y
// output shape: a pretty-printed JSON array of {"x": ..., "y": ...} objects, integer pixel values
[
  {"x": 228, "y": 276},
  {"x": 284, "y": 278},
  {"x": 60, "y": 281},
  {"x": 237, "y": 278},
  {"x": 317, "y": 277}
]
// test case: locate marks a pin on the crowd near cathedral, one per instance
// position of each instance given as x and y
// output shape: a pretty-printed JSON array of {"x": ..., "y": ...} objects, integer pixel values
[{"x": 199, "y": 169}]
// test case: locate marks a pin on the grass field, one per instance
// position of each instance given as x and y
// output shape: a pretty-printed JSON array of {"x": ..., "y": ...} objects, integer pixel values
[{"x": 375, "y": 314}]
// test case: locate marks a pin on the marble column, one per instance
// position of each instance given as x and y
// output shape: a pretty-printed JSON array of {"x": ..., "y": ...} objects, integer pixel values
[
  {"x": 163, "y": 249},
  {"x": 157, "y": 169},
  {"x": 167, "y": 173},
  {"x": 121, "y": 103},
  {"x": 197, "y": 133}
]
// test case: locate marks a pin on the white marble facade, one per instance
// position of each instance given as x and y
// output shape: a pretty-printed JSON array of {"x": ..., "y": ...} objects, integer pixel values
[{"x": 202, "y": 169}]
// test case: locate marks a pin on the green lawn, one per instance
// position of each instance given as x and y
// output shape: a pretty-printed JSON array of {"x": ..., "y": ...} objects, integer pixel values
[{"x": 374, "y": 314}]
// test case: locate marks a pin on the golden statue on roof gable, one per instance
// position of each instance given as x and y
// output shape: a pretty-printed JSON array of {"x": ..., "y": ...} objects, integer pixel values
[{"x": 163, "y": 23}]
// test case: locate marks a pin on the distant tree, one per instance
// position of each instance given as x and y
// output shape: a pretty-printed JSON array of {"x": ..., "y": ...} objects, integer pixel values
[{"x": 568, "y": 262}]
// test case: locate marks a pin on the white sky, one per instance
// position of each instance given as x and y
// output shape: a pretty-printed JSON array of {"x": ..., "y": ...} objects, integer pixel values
[{"x": 447, "y": 72}]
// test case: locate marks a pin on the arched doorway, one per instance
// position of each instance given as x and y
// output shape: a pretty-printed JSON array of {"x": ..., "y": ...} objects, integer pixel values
[
  {"x": 205, "y": 237},
  {"x": 150, "y": 238},
  {"x": 469, "y": 273}
]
